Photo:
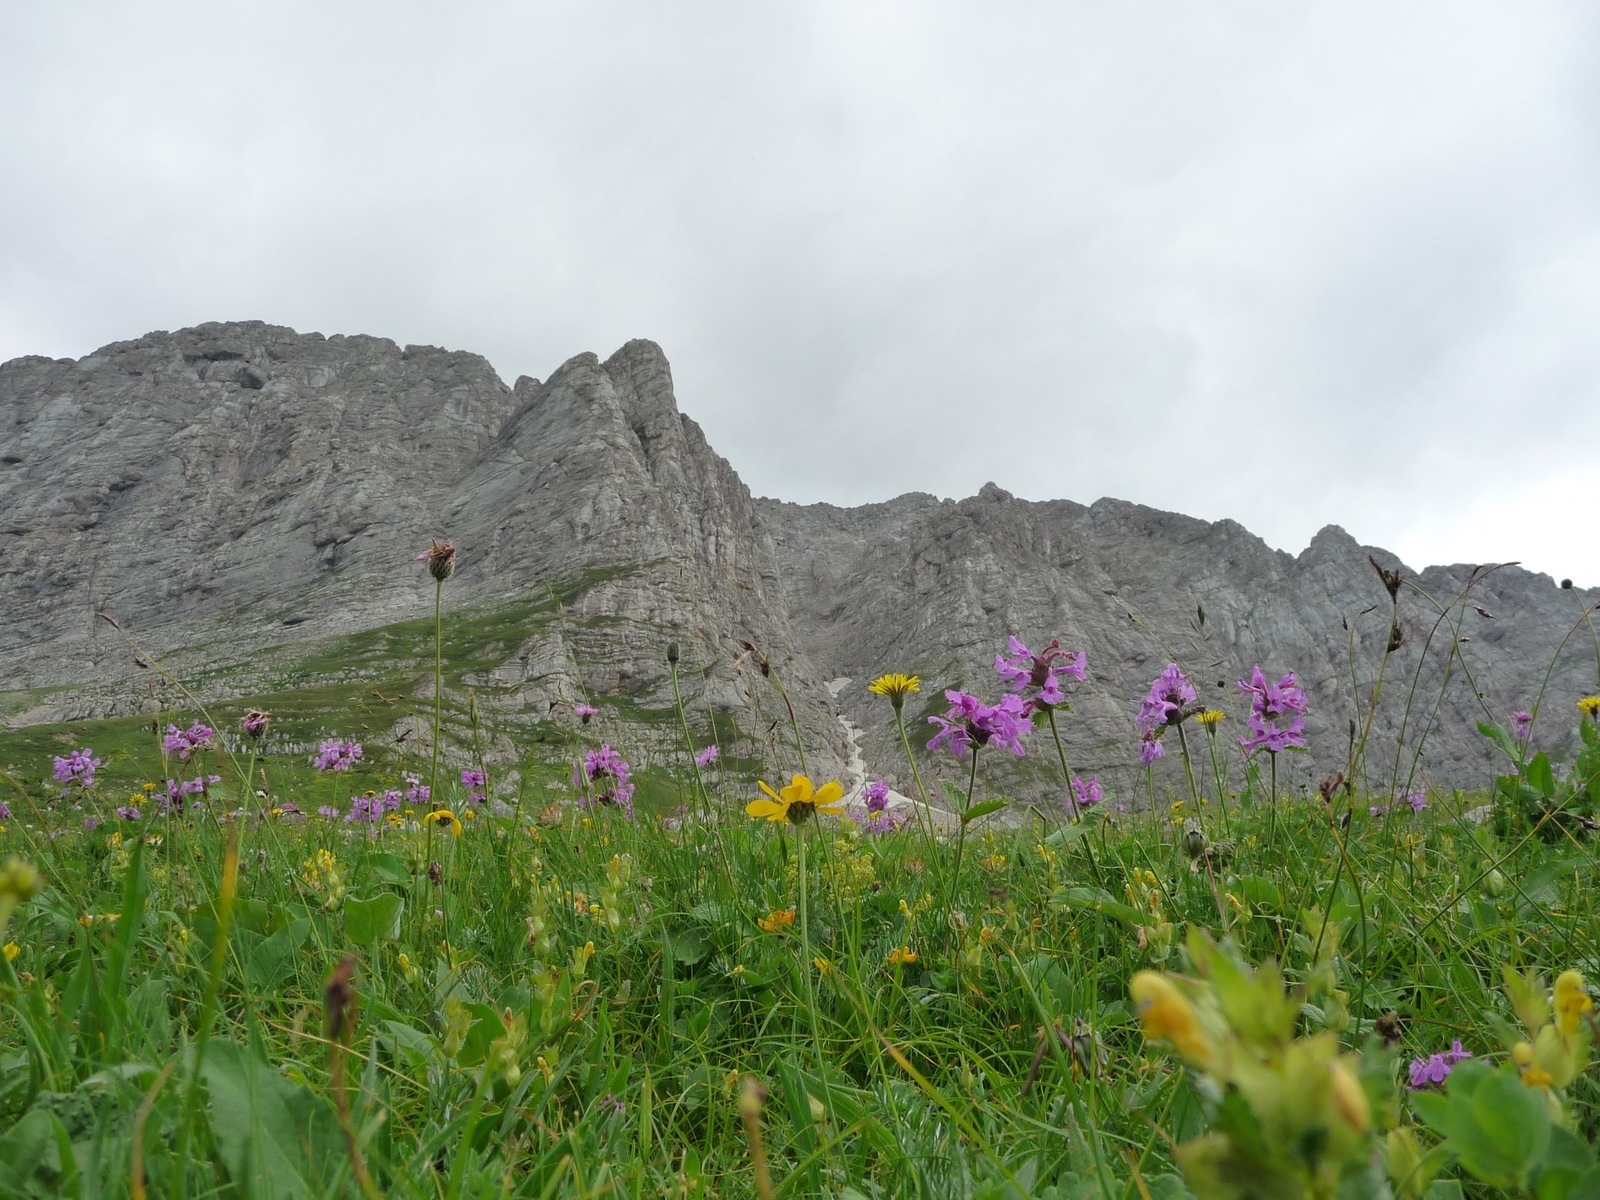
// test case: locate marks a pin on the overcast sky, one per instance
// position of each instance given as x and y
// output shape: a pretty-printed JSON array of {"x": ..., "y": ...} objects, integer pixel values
[{"x": 1293, "y": 264}]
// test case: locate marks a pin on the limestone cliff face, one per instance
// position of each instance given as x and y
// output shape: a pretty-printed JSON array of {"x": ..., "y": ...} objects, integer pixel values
[{"x": 232, "y": 488}]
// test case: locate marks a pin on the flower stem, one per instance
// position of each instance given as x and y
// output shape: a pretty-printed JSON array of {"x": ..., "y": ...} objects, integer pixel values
[
  {"x": 961, "y": 840},
  {"x": 925, "y": 813},
  {"x": 438, "y": 687}
]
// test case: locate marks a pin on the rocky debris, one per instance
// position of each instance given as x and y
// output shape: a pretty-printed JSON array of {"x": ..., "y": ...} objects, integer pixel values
[{"x": 241, "y": 493}]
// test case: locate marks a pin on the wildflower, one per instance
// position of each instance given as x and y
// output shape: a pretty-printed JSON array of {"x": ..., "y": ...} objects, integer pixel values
[
  {"x": 254, "y": 723},
  {"x": 896, "y": 687},
  {"x": 337, "y": 756},
  {"x": 1150, "y": 747},
  {"x": 78, "y": 767},
  {"x": 1083, "y": 794},
  {"x": 1589, "y": 706},
  {"x": 90, "y": 824},
  {"x": 184, "y": 742},
  {"x": 777, "y": 920},
  {"x": 327, "y": 810},
  {"x": 1435, "y": 1069},
  {"x": 969, "y": 722},
  {"x": 1270, "y": 704},
  {"x": 128, "y": 812},
  {"x": 1165, "y": 1012},
  {"x": 706, "y": 757},
  {"x": 1572, "y": 1001},
  {"x": 1418, "y": 800},
  {"x": 443, "y": 816},
  {"x": 584, "y": 711},
  {"x": 823, "y": 966},
  {"x": 1209, "y": 718},
  {"x": 611, "y": 777},
  {"x": 440, "y": 557},
  {"x": 5, "y": 811},
  {"x": 472, "y": 779},
  {"x": 876, "y": 796},
  {"x": 11, "y": 950},
  {"x": 1023, "y": 668},
  {"x": 1533, "y": 1075},
  {"x": 798, "y": 802},
  {"x": 993, "y": 862},
  {"x": 1521, "y": 723},
  {"x": 901, "y": 955}
]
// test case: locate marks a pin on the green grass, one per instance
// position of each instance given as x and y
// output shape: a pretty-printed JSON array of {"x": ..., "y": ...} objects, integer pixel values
[{"x": 569, "y": 1002}]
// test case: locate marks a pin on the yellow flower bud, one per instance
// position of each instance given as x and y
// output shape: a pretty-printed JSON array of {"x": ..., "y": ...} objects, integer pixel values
[
  {"x": 1349, "y": 1097},
  {"x": 1165, "y": 1012},
  {"x": 1572, "y": 1001}
]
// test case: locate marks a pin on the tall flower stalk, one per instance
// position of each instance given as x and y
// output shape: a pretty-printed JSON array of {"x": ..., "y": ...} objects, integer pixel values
[
  {"x": 896, "y": 687},
  {"x": 1277, "y": 722},
  {"x": 441, "y": 560}
]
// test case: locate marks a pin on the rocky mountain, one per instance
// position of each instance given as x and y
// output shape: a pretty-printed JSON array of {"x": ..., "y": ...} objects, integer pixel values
[{"x": 245, "y": 501}]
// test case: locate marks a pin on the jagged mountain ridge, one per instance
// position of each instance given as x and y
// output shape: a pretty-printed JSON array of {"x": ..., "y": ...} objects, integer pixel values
[{"x": 231, "y": 488}]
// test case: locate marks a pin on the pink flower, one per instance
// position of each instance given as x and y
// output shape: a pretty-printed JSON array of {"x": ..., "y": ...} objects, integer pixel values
[
  {"x": 706, "y": 757},
  {"x": 969, "y": 722}
]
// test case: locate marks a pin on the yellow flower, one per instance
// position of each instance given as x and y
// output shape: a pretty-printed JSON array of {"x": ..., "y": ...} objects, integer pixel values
[
  {"x": 1589, "y": 706},
  {"x": 1210, "y": 717},
  {"x": 469, "y": 815},
  {"x": 1533, "y": 1075},
  {"x": 11, "y": 950},
  {"x": 823, "y": 966},
  {"x": 895, "y": 686},
  {"x": 901, "y": 955},
  {"x": 777, "y": 920},
  {"x": 994, "y": 862},
  {"x": 443, "y": 816},
  {"x": 1165, "y": 1012},
  {"x": 1572, "y": 1001},
  {"x": 798, "y": 802}
]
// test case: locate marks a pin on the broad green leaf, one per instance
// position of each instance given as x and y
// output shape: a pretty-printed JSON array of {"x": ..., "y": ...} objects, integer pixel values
[
  {"x": 1096, "y": 900},
  {"x": 372, "y": 920},
  {"x": 279, "y": 1141},
  {"x": 1540, "y": 775}
]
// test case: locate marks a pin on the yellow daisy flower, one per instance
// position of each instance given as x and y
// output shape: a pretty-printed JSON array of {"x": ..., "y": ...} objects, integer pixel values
[
  {"x": 896, "y": 686},
  {"x": 1589, "y": 706},
  {"x": 901, "y": 955},
  {"x": 1210, "y": 717},
  {"x": 799, "y": 801},
  {"x": 443, "y": 816}
]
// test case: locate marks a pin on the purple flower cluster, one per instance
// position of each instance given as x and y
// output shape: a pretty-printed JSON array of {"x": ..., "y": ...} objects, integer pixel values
[
  {"x": 5, "y": 811},
  {"x": 1270, "y": 705},
  {"x": 1170, "y": 699},
  {"x": 184, "y": 742},
  {"x": 1435, "y": 1069},
  {"x": 337, "y": 756},
  {"x": 584, "y": 711},
  {"x": 609, "y": 777},
  {"x": 1022, "y": 668},
  {"x": 371, "y": 808},
  {"x": 1521, "y": 723},
  {"x": 1083, "y": 795},
  {"x": 706, "y": 757},
  {"x": 879, "y": 819},
  {"x": 969, "y": 722},
  {"x": 1417, "y": 799},
  {"x": 78, "y": 767},
  {"x": 477, "y": 785},
  {"x": 127, "y": 812},
  {"x": 175, "y": 798}
]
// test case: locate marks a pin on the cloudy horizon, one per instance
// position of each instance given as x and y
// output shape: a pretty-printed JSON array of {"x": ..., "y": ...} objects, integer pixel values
[{"x": 1293, "y": 267}]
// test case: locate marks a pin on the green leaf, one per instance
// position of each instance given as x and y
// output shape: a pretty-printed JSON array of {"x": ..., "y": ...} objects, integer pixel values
[
  {"x": 956, "y": 798},
  {"x": 1067, "y": 834},
  {"x": 389, "y": 867},
  {"x": 1540, "y": 775},
  {"x": 369, "y": 921},
  {"x": 1096, "y": 900},
  {"x": 979, "y": 811},
  {"x": 279, "y": 1141}
]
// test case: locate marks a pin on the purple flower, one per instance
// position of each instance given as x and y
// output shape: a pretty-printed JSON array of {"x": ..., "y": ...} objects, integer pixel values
[
  {"x": 1270, "y": 703},
  {"x": 472, "y": 779},
  {"x": 1023, "y": 668},
  {"x": 969, "y": 722},
  {"x": 610, "y": 776},
  {"x": 1150, "y": 747},
  {"x": 337, "y": 756},
  {"x": 1379, "y": 810},
  {"x": 90, "y": 823},
  {"x": 328, "y": 811},
  {"x": 880, "y": 823},
  {"x": 706, "y": 757},
  {"x": 876, "y": 796},
  {"x": 127, "y": 812},
  {"x": 1435, "y": 1069},
  {"x": 1521, "y": 723},
  {"x": 1418, "y": 800},
  {"x": 254, "y": 723},
  {"x": 1085, "y": 794},
  {"x": 184, "y": 742},
  {"x": 5, "y": 811},
  {"x": 584, "y": 711},
  {"x": 78, "y": 767},
  {"x": 1167, "y": 703}
]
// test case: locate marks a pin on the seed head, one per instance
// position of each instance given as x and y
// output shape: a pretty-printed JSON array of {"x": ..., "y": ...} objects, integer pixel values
[{"x": 440, "y": 557}]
